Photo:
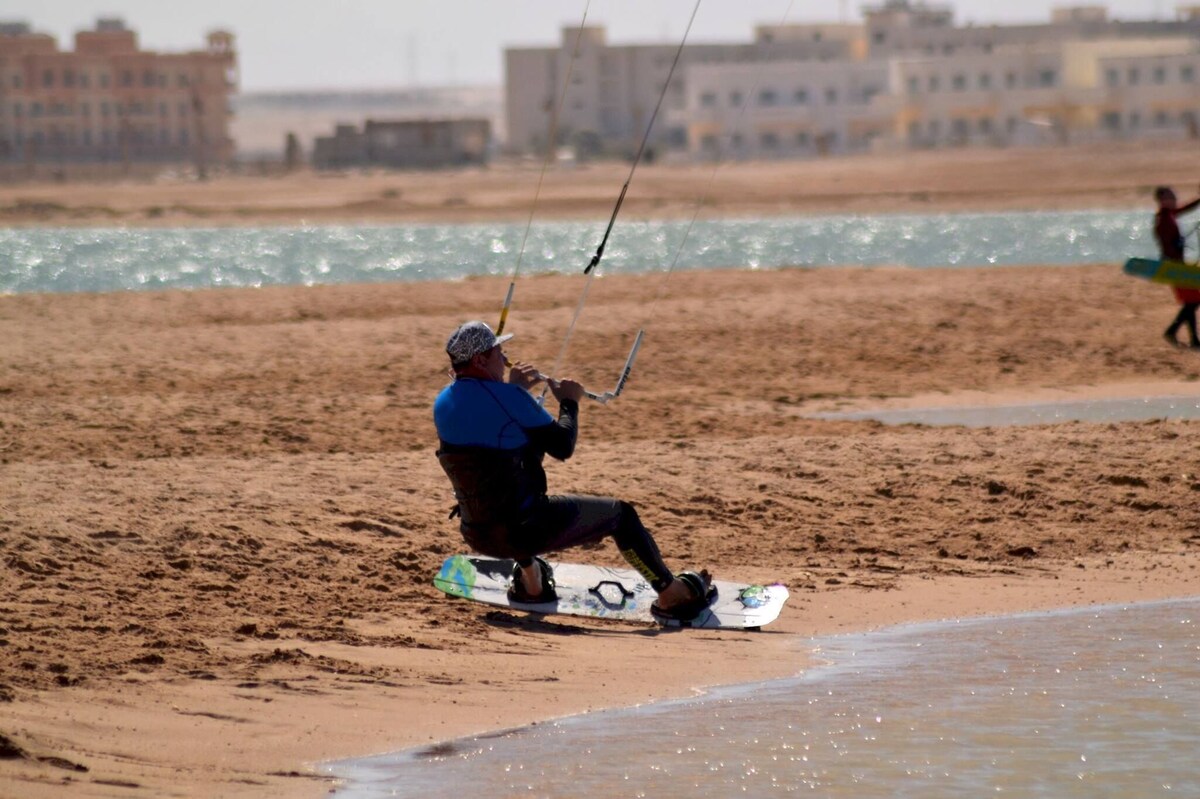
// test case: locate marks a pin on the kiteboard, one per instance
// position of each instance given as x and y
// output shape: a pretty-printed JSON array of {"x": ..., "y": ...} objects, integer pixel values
[
  {"x": 1173, "y": 273},
  {"x": 607, "y": 593}
]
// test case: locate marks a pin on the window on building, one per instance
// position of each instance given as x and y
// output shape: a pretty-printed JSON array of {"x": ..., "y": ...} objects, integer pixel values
[
  {"x": 68, "y": 78},
  {"x": 84, "y": 79},
  {"x": 985, "y": 80},
  {"x": 164, "y": 137},
  {"x": 162, "y": 109},
  {"x": 1112, "y": 77},
  {"x": 914, "y": 130},
  {"x": 1047, "y": 77},
  {"x": 708, "y": 99},
  {"x": 126, "y": 77},
  {"x": 801, "y": 97},
  {"x": 183, "y": 109},
  {"x": 933, "y": 83},
  {"x": 18, "y": 109},
  {"x": 85, "y": 109},
  {"x": 148, "y": 78},
  {"x": 768, "y": 97},
  {"x": 1160, "y": 119},
  {"x": 736, "y": 140},
  {"x": 879, "y": 37},
  {"x": 1010, "y": 80},
  {"x": 104, "y": 80},
  {"x": 802, "y": 139},
  {"x": 1160, "y": 74},
  {"x": 831, "y": 95},
  {"x": 985, "y": 125},
  {"x": 769, "y": 141},
  {"x": 735, "y": 99},
  {"x": 1133, "y": 76},
  {"x": 935, "y": 128},
  {"x": 183, "y": 137},
  {"x": 16, "y": 81},
  {"x": 959, "y": 82},
  {"x": 959, "y": 127},
  {"x": 1011, "y": 125},
  {"x": 182, "y": 80},
  {"x": 913, "y": 85},
  {"x": 48, "y": 77},
  {"x": 105, "y": 109},
  {"x": 35, "y": 109},
  {"x": 106, "y": 137},
  {"x": 1135, "y": 120},
  {"x": 1187, "y": 73}
]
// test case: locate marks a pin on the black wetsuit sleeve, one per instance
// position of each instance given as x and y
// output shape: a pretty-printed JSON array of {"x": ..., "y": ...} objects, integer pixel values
[{"x": 558, "y": 438}]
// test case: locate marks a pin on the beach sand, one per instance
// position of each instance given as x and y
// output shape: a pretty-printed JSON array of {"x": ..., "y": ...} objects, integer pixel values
[{"x": 221, "y": 512}]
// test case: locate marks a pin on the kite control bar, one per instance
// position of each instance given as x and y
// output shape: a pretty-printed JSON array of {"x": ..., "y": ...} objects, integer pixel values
[{"x": 616, "y": 391}]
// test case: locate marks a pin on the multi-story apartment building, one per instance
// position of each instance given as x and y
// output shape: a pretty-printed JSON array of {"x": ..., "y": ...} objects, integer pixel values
[
  {"x": 905, "y": 77},
  {"x": 613, "y": 90},
  {"x": 107, "y": 102}
]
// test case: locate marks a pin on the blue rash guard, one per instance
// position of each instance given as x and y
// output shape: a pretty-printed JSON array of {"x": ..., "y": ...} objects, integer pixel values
[
  {"x": 493, "y": 438},
  {"x": 486, "y": 413}
]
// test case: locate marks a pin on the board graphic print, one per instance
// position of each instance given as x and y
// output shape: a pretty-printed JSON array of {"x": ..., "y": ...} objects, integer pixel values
[{"x": 607, "y": 593}]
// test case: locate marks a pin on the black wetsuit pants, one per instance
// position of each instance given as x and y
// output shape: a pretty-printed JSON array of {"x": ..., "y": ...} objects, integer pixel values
[
  {"x": 562, "y": 522},
  {"x": 1186, "y": 315}
]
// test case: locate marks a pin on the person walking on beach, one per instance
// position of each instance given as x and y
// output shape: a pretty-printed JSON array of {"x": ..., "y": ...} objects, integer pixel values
[
  {"x": 1171, "y": 247},
  {"x": 493, "y": 437}
]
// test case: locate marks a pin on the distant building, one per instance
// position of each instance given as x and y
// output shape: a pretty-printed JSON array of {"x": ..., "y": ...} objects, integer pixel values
[
  {"x": 107, "y": 102},
  {"x": 405, "y": 144},
  {"x": 262, "y": 120},
  {"x": 906, "y": 77}
]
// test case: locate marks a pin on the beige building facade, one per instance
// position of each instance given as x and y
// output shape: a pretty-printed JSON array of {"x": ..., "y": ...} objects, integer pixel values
[
  {"x": 906, "y": 77},
  {"x": 107, "y": 105}
]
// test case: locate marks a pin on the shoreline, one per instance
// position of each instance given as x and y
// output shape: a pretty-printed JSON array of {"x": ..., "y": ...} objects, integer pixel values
[
  {"x": 1070, "y": 606},
  {"x": 1109, "y": 176}
]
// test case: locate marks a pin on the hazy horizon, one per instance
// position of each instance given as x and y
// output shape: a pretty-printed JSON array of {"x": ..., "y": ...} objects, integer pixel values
[{"x": 366, "y": 45}]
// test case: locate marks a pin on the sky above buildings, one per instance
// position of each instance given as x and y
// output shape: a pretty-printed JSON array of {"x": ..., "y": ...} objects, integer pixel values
[{"x": 364, "y": 44}]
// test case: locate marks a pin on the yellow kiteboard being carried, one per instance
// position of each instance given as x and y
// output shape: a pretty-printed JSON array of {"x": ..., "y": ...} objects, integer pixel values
[{"x": 1172, "y": 273}]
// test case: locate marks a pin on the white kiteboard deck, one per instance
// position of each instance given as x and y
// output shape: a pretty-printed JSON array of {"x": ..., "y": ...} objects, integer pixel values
[{"x": 607, "y": 593}]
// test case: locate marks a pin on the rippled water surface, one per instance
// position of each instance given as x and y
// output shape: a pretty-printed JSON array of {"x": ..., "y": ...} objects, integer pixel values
[
  {"x": 110, "y": 259},
  {"x": 1097, "y": 703}
]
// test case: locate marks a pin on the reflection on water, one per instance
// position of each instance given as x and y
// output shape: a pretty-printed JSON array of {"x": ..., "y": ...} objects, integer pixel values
[
  {"x": 1073, "y": 704},
  {"x": 1100, "y": 410},
  {"x": 114, "y": 259}
]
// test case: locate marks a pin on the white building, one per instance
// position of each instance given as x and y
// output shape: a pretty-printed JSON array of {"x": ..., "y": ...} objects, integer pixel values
[{"x": 905, "y": 77}]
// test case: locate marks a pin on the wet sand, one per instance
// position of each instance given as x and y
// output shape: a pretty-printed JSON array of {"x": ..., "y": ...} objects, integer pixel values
[{"x": 221, "y": 512}]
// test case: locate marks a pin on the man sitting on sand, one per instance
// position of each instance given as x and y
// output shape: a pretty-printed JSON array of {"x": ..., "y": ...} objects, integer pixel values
[
  {"x": 1171, "y": 246},
  {"x": 493, "y": 436}
]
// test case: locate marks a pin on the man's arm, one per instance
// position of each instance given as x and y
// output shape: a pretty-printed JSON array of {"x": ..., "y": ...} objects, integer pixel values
[{"x": 558, "y": 439}]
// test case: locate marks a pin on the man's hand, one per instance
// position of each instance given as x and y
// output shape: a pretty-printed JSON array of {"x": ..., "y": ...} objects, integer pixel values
[
  {"x": 524, "y": 375},
  {"x": 566, "y": 389}
]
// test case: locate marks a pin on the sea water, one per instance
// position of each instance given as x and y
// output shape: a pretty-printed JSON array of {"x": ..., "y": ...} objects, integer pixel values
[
  {"x": 115, "y": 259},
  {"x": 1081, "y": 703}
]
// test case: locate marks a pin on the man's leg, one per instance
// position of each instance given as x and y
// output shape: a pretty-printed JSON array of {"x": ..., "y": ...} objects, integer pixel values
[
  {"x": 569, "y": 521},
  {"x": 1189, "y": 317}
]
